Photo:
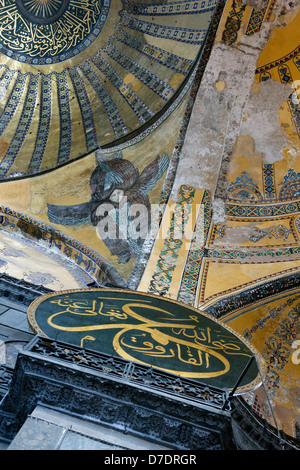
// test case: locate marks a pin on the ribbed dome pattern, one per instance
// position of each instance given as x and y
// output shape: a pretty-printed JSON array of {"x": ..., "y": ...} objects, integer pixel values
[{"x": 79, "y": 74}]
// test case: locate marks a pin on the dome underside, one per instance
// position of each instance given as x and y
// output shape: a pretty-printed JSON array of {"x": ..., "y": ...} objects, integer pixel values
[{"x": 74, "y": 77}]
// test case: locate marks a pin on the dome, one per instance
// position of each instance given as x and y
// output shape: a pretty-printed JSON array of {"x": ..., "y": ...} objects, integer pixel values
[{"x": 78, "y": 75}]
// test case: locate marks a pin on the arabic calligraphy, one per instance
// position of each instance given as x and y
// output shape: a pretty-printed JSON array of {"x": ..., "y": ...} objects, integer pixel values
[
  {"x": 42, "y": 11},
  {"x": 141, "y": 330},
  {"x": 49, "y": 28}
]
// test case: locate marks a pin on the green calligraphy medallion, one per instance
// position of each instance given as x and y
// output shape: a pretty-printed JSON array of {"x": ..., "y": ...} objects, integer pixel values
[{"x": 148, "y": 329}]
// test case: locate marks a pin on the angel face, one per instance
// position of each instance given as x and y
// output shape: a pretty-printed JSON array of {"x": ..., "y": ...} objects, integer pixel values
[
  {"x": 117, "y": 195},
  {"x": 119, "y": 183}
]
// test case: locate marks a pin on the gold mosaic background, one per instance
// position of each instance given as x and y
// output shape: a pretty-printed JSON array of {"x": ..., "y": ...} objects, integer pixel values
[{"x": 253, "y": 250}]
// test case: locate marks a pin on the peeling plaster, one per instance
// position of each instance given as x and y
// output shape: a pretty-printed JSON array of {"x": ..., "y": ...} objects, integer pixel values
[
  {"x": 230, "y": 106},
  {"x": 218, "y": 215},
  {"x": 218, "y": 115},
  {"x": 212, "y": 115},
  {"x": 257, "y": 4},
  {"x": 235, "y": 236},
  {"x": 260, "y": 119}
]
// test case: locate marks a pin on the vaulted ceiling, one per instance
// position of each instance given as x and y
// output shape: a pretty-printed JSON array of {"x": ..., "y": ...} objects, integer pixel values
[
  {"x": 80, "y": 74},
  {"x": 120, "y": 76}
]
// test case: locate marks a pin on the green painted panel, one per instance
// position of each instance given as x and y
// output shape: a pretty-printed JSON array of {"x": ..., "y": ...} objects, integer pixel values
[{"x": 148, "y": 329}]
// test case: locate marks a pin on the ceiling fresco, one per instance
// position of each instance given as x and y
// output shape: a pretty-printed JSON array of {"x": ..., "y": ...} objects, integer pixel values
[
  {"x": 77, "y": 75},
  {"x": 144, "y": 99},
  {"x": 46, "y": 32}
]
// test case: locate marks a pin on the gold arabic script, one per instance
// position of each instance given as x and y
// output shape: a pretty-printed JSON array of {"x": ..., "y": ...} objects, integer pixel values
[
  {"x": 150, "y": 335},
  {"x": 47, "y": 39}
]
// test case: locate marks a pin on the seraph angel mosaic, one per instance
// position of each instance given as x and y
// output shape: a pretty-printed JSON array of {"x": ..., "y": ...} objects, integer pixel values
[{"x": 119, "y": 207}]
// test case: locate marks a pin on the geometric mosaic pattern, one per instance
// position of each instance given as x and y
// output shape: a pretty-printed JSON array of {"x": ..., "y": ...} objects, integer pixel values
[{"x": 77, "y": 75}]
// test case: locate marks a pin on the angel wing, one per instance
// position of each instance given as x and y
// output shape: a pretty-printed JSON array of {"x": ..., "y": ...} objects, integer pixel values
[
  {"x": 152, "y": 173},
  {"x": 111, "y": 177}
]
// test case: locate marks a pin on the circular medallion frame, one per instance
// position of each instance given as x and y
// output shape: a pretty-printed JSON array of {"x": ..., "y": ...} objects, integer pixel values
[
  {"x": 46, "y": 32},
  {"x": 123, "y": 322},
  {"x": 42, "y": 11}
]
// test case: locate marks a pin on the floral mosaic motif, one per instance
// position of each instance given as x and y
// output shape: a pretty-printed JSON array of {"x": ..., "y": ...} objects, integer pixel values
[
  {"x": 287, "y": 331},
  {"x": 290, "y": 185},
  {"x": 162, "y": 277},
  {"x": 220, "y": 231},
  {"x": 273, "y": 232},
  {"x": 272, "y": 381},
  {"x": 233, "y": 22},
  {"x": 191, "y": 273},
  {"x": 256, "y": 19},
  {"x": 285, "y": 74},
  {"x": 244, "y": 188},
  {"x": 276, "y": 353}
]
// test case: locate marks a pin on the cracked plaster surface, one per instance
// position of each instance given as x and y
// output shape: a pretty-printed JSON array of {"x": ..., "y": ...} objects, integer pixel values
[
  {"x": 230, "y": 105},
  {"x": 218, "y": 112}
]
